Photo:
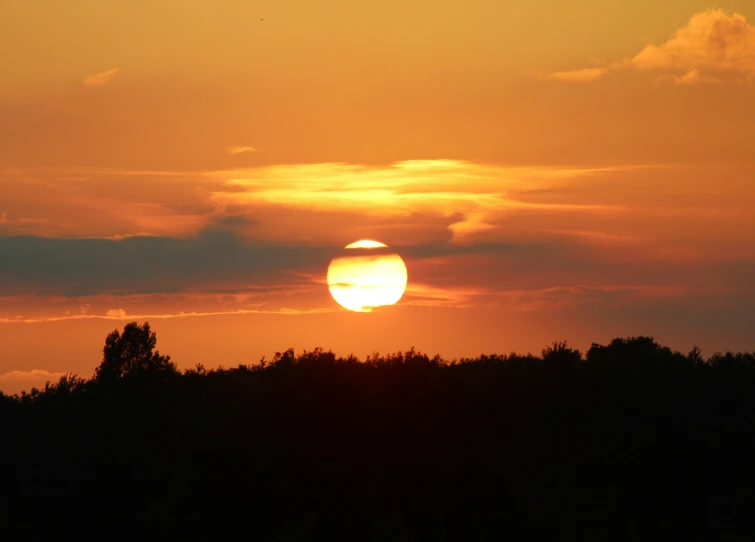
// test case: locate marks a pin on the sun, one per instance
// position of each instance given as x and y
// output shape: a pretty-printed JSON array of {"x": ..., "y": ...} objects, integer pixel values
[{"x": 367, "y": 276}]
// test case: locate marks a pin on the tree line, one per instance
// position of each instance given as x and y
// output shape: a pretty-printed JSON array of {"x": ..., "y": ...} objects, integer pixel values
[{"x": 630, "y": 441}]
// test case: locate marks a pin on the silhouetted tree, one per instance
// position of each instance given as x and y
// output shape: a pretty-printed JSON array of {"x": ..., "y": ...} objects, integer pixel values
[
  {"x": 561, "y": 358},
  {"x": 132, "y": 353},
  {"x": 68, "y": 384},
  {"x": 284, "y": 359},
  {"x": 696, "y": 355},
  {"x": 635, "y": 349}
]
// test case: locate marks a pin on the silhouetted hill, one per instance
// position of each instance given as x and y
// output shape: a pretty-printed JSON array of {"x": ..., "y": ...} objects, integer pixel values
[{"x": 630, "y": 442}]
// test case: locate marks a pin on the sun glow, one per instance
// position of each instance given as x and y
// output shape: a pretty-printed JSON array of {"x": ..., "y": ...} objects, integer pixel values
[
  {"x": 366, "y": 243},
  {"x": 367, "y": 278}
]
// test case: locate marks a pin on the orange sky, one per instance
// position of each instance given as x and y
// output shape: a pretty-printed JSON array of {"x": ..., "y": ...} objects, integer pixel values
[{"x": 562, "y": 170}]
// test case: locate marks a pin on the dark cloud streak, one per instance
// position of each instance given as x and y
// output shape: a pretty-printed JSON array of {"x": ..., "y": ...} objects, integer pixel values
[
  {"x": 222, "y": 259},
  {"x": 76, "y": 267}
]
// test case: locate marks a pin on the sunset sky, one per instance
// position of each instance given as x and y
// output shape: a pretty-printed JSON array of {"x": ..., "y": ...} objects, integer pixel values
[{"x": 547, "y": 170}]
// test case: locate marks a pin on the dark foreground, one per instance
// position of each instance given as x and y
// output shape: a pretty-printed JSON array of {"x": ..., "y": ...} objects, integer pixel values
[{"x": 633, "y": 442}]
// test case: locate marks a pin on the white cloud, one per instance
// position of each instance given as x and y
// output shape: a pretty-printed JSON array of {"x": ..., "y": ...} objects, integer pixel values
[{"x": 116, "y": 313}]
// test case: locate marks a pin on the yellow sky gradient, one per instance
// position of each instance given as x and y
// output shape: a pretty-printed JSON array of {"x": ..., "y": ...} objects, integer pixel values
[{"x": 547, "y": 170}]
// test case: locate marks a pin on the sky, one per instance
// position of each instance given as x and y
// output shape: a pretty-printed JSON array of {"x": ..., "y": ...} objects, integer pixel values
[{"x": 548, "y": 171}]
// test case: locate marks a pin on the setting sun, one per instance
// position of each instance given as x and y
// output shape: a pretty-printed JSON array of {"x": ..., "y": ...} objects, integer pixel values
[{"x": 367, "y": 277}]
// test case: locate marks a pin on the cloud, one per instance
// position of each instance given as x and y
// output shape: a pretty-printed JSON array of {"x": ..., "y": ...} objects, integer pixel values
[
  {"x": 528, "y": 278},
  {"x": 601, "y": 238},
  {"x": 467, "y": 194},
  {"x": 425, "y": 295},
  {"x": 119, "y": 237},
  {"x": 99, "y": 79},
  {"x": 21, "y": 225},
  {"x": 422, "y": 199},
  {"x": 217, "y": 258},
  {"x": 18, "y": 381},
  {"x": 712, "y": 45},
  {"x": 241, "y": 150},
  {"x": 561, "y": 297},
  {"x": 693, "y": 77},
  {"x": 576, "y": 76},
  {"x": 162, "y": 316},
  {"x": 78, "y": 267},
  {"x": 281, "y": 225},
  {"x": 222, "y": 261},
  {"x": 712, "y": 40},
  {"x": 101, "y": 202}
]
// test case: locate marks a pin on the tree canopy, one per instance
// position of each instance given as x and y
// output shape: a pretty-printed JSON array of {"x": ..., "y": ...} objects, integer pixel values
[{"x": 132, "y": 353}]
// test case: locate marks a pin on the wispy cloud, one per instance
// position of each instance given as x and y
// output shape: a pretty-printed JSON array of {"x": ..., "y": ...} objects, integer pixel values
[
  {"x": 425, "y": 295},
  {"x": 601, "y": 238},
  {"x": 21, "y": 225},
  {"x": 576, "y": 76},
  {"x": 693, "y": 77},
  {"x": 470, "y": 193},
  {"x": 159, "y": 316},
  {"x": 242, "y": 150},
  {"x": 99, "y": 79},
  {"x": 121, "y": 237},
  {"x": 434, "y": 197},
  {"x": 418, "y": 294},
  {"x": 558, "y": 298}
]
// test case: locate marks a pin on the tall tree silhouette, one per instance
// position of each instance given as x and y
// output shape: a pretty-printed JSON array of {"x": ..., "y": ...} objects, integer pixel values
[{"x": 132, "y": 353}]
